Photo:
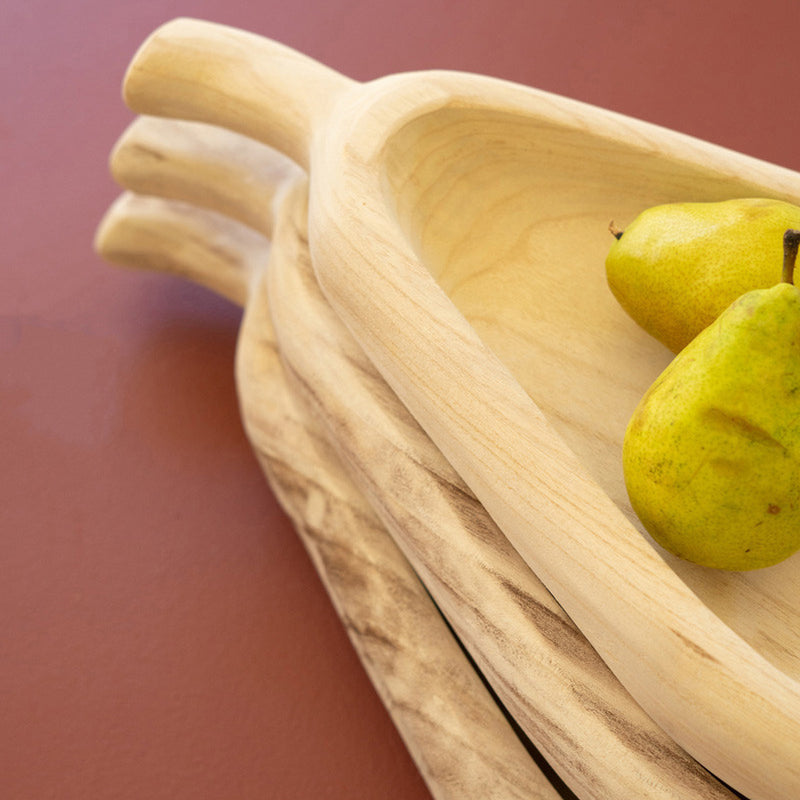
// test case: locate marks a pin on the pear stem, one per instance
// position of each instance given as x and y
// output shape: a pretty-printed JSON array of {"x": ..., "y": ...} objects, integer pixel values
[
  {"x": 615, "y": 231},
  {"x": 791, "y": 242}
]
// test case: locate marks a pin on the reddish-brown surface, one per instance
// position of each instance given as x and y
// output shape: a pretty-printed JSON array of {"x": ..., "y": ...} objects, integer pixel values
[{"x": 163, "y": 633}]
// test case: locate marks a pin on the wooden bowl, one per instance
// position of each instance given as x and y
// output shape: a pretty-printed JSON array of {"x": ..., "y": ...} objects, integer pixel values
[
  {"x": 475, "y": 281},
  {"x": 560, "y": 693},
  {"x": 458, "y": 226}
]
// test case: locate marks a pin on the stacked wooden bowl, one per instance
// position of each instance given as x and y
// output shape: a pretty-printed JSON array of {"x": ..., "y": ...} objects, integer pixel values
[{"x": 436, "y": 380}]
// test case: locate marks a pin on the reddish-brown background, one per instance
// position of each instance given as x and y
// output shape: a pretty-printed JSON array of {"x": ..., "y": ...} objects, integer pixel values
[{"x": 163, "y": 634}]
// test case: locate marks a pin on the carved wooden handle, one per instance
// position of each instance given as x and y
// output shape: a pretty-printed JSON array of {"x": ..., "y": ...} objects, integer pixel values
[{"x": 196, "y": 70}]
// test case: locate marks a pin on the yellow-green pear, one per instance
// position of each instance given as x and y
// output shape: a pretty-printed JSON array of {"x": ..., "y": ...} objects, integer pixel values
[
  {"x": 711, "y": 455},
  {"x": 676, "y": 267}
]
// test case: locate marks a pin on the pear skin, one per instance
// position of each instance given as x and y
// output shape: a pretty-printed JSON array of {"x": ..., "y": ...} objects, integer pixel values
[
  {"x": 711, "y": 455},
  {"x": 678, "y": 266}
]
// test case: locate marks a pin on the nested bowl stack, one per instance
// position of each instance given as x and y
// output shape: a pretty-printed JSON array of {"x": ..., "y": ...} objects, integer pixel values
[{"x": 435, "y": 298}]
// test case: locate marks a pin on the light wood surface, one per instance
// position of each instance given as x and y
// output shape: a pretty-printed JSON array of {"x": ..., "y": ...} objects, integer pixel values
[
  {"x": 459, "y": 738},
  {"x": 458, "y": 228},
  {"x": 545, "y": 672},
  {"x": 560, "y": 692}
]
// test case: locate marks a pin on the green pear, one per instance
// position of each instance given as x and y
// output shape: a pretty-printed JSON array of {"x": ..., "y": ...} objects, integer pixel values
[
  {"x": 711, "y": 455},
  {"x": 677, "y": 266}
]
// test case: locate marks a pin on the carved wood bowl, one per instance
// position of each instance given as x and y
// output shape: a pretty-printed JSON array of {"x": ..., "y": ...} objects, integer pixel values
[{"x": 458, "y": 228}]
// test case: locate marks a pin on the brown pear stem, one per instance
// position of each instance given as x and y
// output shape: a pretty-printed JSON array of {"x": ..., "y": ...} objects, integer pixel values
[
  {"x": 615, "y": 231},
  {"x": 791, "y": 241}
]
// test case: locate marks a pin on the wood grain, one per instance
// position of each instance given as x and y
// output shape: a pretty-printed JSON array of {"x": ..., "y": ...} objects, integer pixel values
[
  {"x": 425, "y": 183},
  {"x": 559, "y": 689},
  {"x": 460, "y": 740},
  {"x": 717, "y": 672},
  {"x": 540, "y": 665}
]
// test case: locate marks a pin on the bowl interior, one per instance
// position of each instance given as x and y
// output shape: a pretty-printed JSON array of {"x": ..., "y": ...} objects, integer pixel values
[{"x": 510, "y": 214}]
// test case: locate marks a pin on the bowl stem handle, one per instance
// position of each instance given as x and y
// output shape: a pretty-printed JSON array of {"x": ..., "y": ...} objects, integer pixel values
[{"x": 203, "y": 71}]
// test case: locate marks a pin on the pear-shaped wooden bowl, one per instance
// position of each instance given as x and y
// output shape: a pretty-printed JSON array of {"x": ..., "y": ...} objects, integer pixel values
[
  {"x": 458, "y": 226},
  {"x": 596, "y": 738}
]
